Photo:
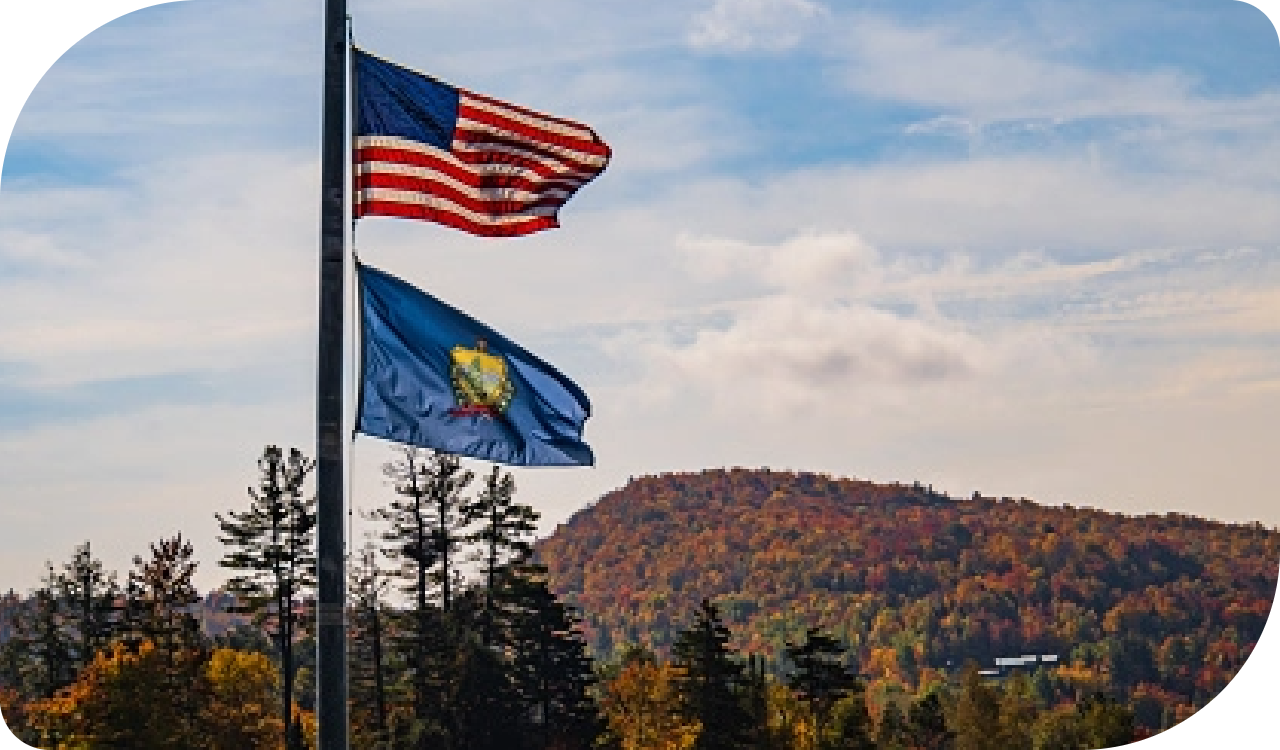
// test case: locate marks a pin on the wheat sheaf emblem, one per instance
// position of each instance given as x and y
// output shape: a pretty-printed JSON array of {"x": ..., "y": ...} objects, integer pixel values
[{"x": 481, "y": 385}]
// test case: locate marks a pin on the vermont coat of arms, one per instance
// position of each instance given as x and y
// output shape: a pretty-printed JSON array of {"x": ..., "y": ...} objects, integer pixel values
[{"x": 480, "y": 381}]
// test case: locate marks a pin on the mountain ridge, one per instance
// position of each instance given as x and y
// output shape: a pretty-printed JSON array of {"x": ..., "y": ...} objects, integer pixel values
[{"x": 917, "y": 582}]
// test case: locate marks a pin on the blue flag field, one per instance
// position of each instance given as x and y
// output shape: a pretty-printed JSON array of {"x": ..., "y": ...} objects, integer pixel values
[{"x": 434, "y": 377}]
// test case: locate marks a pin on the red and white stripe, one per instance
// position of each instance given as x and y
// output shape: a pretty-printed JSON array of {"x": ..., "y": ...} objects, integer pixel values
[{"x": 508, "y": 172}]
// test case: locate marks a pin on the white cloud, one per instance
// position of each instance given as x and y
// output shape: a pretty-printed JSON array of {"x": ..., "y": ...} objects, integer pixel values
[
  {"x": 198, "y": 262},
  {"x": 747, "y": 25},
  {"x": 994, "y": 322},
  {"x": 1007, "y": 92},
  {"x": 807, "y": 260},
  {"x": 835, "y": 326},
  {"x": 784, "y": 347}
]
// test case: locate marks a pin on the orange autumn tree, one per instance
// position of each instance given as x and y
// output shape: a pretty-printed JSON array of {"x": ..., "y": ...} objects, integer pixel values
[{"x": 122, "y": 699}]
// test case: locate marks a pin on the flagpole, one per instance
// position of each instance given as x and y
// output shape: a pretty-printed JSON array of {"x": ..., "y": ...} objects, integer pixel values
[{"x": 331, "y": 647}]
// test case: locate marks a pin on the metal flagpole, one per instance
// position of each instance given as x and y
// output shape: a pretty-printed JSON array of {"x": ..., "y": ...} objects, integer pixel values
[{"x": 331, "y": 647}]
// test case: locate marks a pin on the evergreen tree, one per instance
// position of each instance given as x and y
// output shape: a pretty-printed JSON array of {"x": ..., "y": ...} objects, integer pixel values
[
  {"x": 88, "y": 602},
  {"x": 552, "y": 673},
  {"x": 502, "y": 536},
  {"x": 367, "y": 642},
  {"x": 423, "y": 532},
  {"x": 893, "y": 732},
  {"x": 273, "y": 546},
  {"x": 756, "y": 701},
  {"x": 849, "y": 727},
  {"x": 710, "y": 682},
  {"x": 927, "y": 724},
  {"x": 39, "y": 658},
  {"x": 158, "y": 611},
  {"x": 427, "y": 523},
  {"x": 1104, "y": 722},
  {"x": 485, "y": 710},
  {"x": 820, "y": 677},
  {"x": 40, "y": 653},
  {"x": 246, "y": 639}
]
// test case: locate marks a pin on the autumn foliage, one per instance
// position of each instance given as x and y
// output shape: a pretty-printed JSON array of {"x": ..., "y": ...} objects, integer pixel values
[
  {"x": 126, "y": 698},
  {"x": 1161, "y": 609}
]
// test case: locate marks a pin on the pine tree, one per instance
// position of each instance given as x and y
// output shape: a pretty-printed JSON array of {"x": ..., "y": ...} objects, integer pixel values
[
  {"x": 158, "y": 601},
  {"x": 755, "y": 695},
  {"x": 367, "y": 662},
  {"x": 88, "y": 598},
  {"x": 505, "y": 527},
  {"x": 1104, "y": 722},
  {"x": 484, "y": 710},
  {"x": 424, "y": 532},
  {"x": 39, "y": 657},
  {"x": 40, "y": 652},
  {"x": 927, "y": 724},
  {"x": 552, "y": 673},
  {"x": 849, "y": 727},
  {"x": 822, "y": 680},
  {"x": 426, "y": 525},
  {"x": 710, "y": 682},
  {"x": 273, "y": 544},
  {"x": 893, "y": 733}
]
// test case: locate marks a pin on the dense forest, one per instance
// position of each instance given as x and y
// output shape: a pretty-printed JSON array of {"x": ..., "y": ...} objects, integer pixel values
[
  {"x": 728, "y": 610},
  {"x": 1158, "y": 611}
]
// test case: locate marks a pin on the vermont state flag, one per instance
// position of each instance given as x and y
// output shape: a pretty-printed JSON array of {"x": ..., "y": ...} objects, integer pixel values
[{"x": 433, "y": 377}]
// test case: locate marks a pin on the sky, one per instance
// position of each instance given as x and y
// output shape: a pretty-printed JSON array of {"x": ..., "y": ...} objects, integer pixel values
[{"x": 1021, "y": 248}]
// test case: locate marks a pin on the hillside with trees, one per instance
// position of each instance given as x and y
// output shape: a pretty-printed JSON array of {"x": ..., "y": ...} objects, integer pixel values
[
  {"x": 727, "y": 610},
  {"x": 1158, "y": 611}
]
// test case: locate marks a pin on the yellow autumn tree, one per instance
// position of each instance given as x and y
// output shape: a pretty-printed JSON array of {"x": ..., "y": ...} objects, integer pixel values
[
  {"x": 790, "y": 723},
  {"x": 127, "y": 698},
  {"x": 244, "y": 707},
  {"x": 642, "y": 707}
]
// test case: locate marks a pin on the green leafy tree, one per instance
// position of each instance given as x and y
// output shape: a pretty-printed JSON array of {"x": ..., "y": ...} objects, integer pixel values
[
  {"x": 1018, "y": 712},
  {"x": 272, "y": 546},
  {"x": 849, "y": 727},
  {"x": 975, "y": 717},
  {"x": 1060, "y": 730},
  {"x": 1098, "y": 721}
]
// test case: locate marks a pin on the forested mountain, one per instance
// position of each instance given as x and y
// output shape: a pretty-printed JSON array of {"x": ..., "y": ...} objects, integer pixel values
[{"x": 1161, "y": 609}]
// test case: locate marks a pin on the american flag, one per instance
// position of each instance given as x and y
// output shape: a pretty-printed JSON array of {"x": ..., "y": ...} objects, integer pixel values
[{"x": 427, "y": 150}]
